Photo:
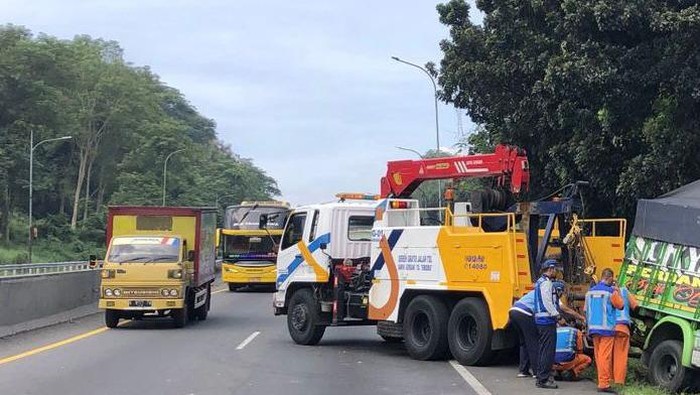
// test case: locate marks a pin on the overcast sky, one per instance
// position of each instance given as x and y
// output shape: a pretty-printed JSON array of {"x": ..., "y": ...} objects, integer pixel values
[{"x": 307, "y": 89}]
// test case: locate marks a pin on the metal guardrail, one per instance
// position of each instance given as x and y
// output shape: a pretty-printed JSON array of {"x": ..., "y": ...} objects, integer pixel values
[{"x": 37, "y": 269}]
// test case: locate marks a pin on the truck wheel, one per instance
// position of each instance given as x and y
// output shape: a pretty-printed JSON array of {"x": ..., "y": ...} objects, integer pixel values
[
  {"x": 233, "y": 287},
  {"x": 303, "y": 318},
  {"x": 469, "y": 332},
  {"x": 203, "y": 310},
  {"x": 425, "y": 328},
  {"x": 180, "y": 315},
  {"x": 111, "y": 318},
  {"x": 665, "y": 368}
]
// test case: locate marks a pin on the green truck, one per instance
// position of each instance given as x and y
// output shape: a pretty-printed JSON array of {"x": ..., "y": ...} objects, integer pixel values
[{"x": 662, "y": 269}]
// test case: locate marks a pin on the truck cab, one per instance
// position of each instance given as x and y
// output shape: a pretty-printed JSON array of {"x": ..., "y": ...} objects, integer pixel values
[{"x": 316, "y": 239}]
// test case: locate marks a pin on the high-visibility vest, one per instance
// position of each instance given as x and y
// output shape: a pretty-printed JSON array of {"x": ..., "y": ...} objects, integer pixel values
[
  {"x": 566, "y": 344},
  {"x": 526, "y": 303},
  {"x": 542, "y": 316},
  {"x": 600, "y": 313},
  {"x": 623, "y": 316}
]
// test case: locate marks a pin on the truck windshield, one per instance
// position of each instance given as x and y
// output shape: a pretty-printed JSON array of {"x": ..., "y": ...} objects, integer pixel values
[
  {"x": 250, "y": 248},
  {"x": 144, "y": 249}
]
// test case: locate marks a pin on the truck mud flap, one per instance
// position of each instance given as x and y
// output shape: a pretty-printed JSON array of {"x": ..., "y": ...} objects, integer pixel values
[
  {"x": 200, "y": 297},
  {"x": 504, "y": 339}
]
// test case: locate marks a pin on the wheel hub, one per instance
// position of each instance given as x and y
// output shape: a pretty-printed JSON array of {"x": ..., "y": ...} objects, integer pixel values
[
  {"x": 422, "y": 329},
  {"x": 467, "y": 333},
  {"x": 300, "y": 317},
  {"x": 669, "y": 367}
]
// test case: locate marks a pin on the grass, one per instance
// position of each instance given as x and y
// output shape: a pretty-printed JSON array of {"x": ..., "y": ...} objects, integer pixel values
[
  {"x": 42, "y": 252},
  {"x": 636, "y": 384}
]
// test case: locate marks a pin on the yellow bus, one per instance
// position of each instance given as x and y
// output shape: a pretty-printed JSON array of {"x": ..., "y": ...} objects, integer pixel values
[{"x": 250, "y": 253}]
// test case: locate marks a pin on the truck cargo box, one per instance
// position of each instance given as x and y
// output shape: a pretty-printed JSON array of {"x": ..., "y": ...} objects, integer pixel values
[{"x": 195, "y": 224}]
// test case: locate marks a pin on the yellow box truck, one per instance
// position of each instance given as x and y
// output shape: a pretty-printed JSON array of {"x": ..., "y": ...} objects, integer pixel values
[{"x": 160, "y": 262}]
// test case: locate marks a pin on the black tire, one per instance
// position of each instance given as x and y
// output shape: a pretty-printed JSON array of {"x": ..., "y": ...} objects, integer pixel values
[
  {"x": 392, "y": 339},
  {"x": 469, "y": 332},
  {"x": 425, "y": 328},
  {"x": 112, "y": 318},
  {"x": 203, "y": 310},
  {"x": 180, "y": 315},
  {"x": 665, "y": 368},
  {"x": 234, "y": 287},
  {"x": 304, "y": 318}
]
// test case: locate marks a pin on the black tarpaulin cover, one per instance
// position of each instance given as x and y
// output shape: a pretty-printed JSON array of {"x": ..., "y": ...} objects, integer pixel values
[{"x": 673, "y": 217}]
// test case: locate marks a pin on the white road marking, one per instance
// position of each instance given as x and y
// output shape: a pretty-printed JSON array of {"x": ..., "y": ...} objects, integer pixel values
[
  {"x": 470, "y": 379},
  {"x": 247, "y": 340},
  {"x": 221, "y": 290}
]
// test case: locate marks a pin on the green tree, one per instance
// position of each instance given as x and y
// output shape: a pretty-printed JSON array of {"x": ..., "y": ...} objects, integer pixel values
[{"x": 605, "y": 91}]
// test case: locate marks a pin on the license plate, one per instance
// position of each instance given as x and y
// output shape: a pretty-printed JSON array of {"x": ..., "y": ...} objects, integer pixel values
[
  {"x": 139, "y": 303},
  {"x": 255, "y": 279}
]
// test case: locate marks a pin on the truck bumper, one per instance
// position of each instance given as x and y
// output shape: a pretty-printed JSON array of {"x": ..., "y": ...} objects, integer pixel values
[
  {"x": 155, "y": 304},
  {"x": 231, "y": 273},
  {"x": 278, "y": 303}
]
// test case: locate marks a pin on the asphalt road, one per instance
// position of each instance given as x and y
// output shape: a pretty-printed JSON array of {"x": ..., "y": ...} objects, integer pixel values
[{"x": 241, "y": 349}]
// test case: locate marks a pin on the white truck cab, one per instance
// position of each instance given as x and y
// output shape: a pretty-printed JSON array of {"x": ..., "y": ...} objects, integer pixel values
[{"x": 318, "y": 236}]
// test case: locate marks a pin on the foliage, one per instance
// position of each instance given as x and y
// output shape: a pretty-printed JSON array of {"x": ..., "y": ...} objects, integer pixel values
[
  {"x": 597, "y": 90},
  {"x": 123, "y": 121}
]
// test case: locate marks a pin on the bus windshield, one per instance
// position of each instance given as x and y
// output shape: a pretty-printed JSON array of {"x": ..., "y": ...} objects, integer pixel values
[
  {"x": 250, "y": 248},
  {"x": 248, "y": 217}
]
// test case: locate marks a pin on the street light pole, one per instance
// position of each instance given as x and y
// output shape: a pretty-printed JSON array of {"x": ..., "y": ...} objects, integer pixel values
[
  {"x": 165, "y": 170},
  {"x": 411, "y": 150},
  {"x": 437, "y": 124},
  {"x": 32, "y": 147}
]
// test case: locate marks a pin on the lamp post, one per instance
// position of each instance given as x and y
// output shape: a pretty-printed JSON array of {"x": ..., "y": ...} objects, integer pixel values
[
  {"x": 32, "y": 147},
  {"x": 165, "y": 170},
  {"x": 437, "y": 124},
  {"x": 411, "y": 150}
]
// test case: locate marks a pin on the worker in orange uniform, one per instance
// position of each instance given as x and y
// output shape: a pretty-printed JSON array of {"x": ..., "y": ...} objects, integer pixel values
[
  {"x": 601, "y": 302},
  {"x": 571, "y": 370},
  {"x": 621, "y": 348},
  {"x": 570, "y": 359}
]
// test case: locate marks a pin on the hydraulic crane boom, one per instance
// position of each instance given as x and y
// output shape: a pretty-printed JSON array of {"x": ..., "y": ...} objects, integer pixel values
[{"x": 508, "y": 164}]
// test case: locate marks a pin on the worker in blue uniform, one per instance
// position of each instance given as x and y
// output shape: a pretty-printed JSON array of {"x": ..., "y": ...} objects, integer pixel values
[{"x": 546, "y": 317}]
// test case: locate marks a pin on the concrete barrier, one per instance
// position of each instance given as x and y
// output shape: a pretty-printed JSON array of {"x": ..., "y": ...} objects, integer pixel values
[{"x": 32, "y": 302}]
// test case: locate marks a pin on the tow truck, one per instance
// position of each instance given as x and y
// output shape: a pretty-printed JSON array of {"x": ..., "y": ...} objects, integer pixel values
[{"x": 442, "y": 284}]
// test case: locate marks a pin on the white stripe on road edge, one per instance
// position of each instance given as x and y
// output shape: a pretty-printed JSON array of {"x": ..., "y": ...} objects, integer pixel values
[
  {"x": 247, "y": 340},
  {"x": 221, "y": 290},
  {"x": 470, "y": 379}
]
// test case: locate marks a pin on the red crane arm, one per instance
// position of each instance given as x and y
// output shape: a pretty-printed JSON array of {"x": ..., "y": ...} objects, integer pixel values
[{"x": 507, "y": 163}]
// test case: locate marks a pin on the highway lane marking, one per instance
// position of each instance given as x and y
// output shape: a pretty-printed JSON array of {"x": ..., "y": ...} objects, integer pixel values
[
  {"x": 53, "y": 345},
  {"x": 68, "y": 341},
  {"x": 247, "y": 340},
  {"x": 470, "y": 379},
  {"x": 221, "y": 290}
]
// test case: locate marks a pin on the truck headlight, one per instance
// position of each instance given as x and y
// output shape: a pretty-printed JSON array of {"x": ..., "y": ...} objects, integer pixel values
[
  {"x": 173, "y": 292},
  {"x": 108, "y": 292},
  {"x": 117, "y": 292},
  {"x": 164, "y": 292},
  {"x": 175, "y": 273},
  {"x": 108, "y": 273}
]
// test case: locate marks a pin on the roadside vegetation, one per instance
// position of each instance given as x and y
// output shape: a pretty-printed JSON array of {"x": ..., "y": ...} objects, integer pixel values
[{"x": 123, "y": 121}]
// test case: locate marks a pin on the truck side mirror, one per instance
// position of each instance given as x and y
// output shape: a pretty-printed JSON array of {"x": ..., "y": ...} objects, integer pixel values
[
  {"x": 190, "y": 255},
  {"x": 92, "y": 261},
  {"x": 262, "y": 224}
]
